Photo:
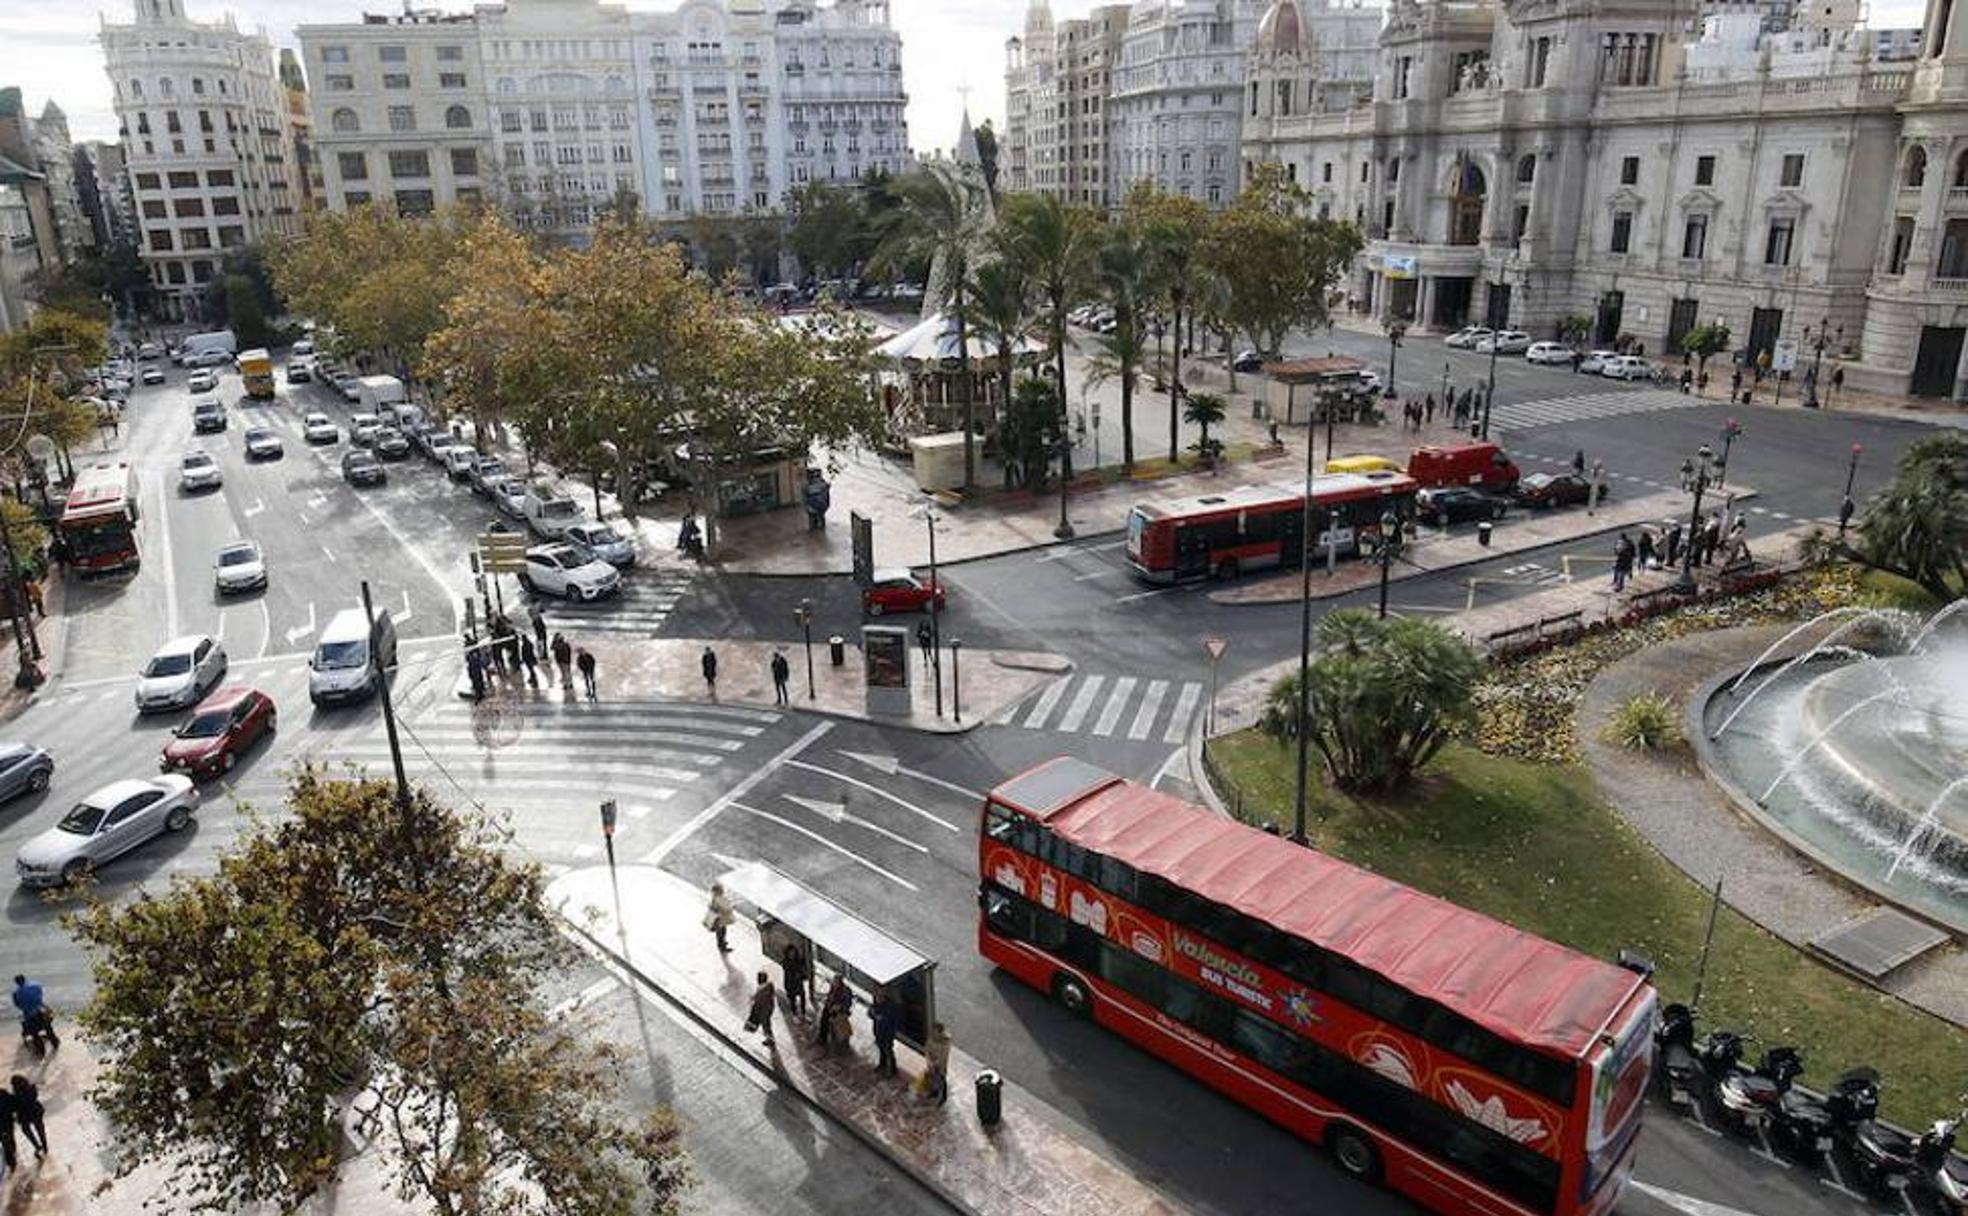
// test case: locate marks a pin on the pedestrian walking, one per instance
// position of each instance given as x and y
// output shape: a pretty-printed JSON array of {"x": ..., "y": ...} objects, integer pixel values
[
  {"x": 710, "y": 665},
  {"x": 1687, "y": 379},
  {"x": 1428, "y": 409},
  {"x": 475, "y": 666},
  {"x": 1711, "y": 538},
  {"x": 884, "y": 1018},
  {"x": 1578, "y": 461},
  {"x": 1645, "y": 557},
  {"x": 719, "y": 915},
  {"x": 539, "y": 633},
  {"x": 530, "y": 659},
  {"x": 563, "y": 657},
  {"x": 585, "y": 660},
  {"x": 834, "y": 1010},
  {"x": 1671, "y": 549},
  {"x": 494, "y": 647},
  {"x": 9, "y": 1153},
  {"x": 781, "y": 672},
  {"x": 936, "y": 1072},
  {"x": 759, "y": 1017},
  {"x": 796, "y": 976},
  {"x": 1622, "y": 561},
  {"x": 925, "y": 640},
  {"x": 29, "y": 1113},
  {"x": 1736, "y": 382},
  {"x": 1578, "y": 357}
]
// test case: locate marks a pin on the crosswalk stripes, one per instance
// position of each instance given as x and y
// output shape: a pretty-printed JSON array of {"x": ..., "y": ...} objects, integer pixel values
[
  {"x": 1099, "y": 706},
  {"x": 642, "y": 605},
  {"x": 1587, "y": 407}
]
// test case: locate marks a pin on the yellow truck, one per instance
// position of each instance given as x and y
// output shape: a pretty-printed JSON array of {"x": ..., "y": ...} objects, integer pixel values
[{"x": 256, "y": 369}]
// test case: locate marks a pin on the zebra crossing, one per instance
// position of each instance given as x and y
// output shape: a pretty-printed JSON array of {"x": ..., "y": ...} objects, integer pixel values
[
  {"x": 1108, "y": 707},
  {"x": 1588, "y": 407},
  {"x": 646, "y": 599}
]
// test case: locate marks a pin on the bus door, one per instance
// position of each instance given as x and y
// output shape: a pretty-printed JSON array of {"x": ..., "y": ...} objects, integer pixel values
[{"x": 1192, "y": 555}]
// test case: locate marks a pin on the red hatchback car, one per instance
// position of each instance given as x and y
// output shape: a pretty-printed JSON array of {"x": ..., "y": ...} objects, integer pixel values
[
  {"x": 223, "y": 726},
  {"x": 899, "y": 590}
]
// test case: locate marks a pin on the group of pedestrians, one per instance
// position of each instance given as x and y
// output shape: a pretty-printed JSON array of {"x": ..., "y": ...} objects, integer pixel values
[
  {"x": 505, "y": 653},
  {"x": 1663, "y": 551},
  {"x": 20, "y": 1099},
  {"x": 1417, "y": 414},
  {"x": 782, "y": 674}
]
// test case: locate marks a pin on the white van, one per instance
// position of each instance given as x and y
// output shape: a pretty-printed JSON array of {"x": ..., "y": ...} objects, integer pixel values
[
  {"x": 343, "y": 667},
  {"x": 549, "y": 511}
]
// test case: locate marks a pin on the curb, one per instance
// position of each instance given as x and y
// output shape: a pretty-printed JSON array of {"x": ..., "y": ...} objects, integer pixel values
[{"x": 781, "y": 1081}]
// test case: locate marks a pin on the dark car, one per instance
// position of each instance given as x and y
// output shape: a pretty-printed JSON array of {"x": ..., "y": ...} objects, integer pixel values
[
  {"x": 225, "y": 724},
  {"x": 391, "y": 444},
  {"x": 359, "y": 468},
  {"x": 1252, "y": 361},
  {"x": 1457, "y": 504},
  {"x": 1555, "y": 490}
]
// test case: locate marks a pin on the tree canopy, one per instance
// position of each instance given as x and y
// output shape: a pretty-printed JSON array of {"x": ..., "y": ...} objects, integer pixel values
[
  {"x": 1280, "y": 265},
  {"x": 1917, "y": 527}
]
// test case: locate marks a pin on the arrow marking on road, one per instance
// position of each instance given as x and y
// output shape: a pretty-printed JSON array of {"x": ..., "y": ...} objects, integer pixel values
[
  {"x": 669, "y": 845},
  {"x": 817, "y": 838},
  {"x": 891, "y": 766},
  {"x": 837, "y": 812},
  {"x": 1686, "y": 1203},
  {"x": 904, "y": 803},
  {"x": 295, "y": 635},
  {"x": 257, "y": 507}
]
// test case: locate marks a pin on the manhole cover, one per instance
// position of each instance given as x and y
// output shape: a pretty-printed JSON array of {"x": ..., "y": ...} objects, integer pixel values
[{"x": 1877, "y": 943}]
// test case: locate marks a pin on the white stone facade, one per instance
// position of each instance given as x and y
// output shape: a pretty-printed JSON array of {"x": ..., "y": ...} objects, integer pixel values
[
  {"x": 1536, "y": 159},
  {"x": 1058, "y": 89},
  {"x": 1175, "y": 114},
  {"x": 211, "y": 163},
  {"x": 57, "y": 152}
]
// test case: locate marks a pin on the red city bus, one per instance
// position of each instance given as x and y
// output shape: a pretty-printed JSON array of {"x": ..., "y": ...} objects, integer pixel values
[
  {"x": 99, "y": 519},
  {"x": 1468, "y": 1065},
  {"x": 1257, "y": 527}
]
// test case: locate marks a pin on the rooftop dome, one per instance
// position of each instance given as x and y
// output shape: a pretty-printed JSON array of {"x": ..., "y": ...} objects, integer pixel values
[{"x": 1280, "y": 30}]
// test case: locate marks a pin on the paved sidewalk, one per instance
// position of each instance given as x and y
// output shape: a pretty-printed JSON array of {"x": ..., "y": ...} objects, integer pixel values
[
  {"x": 1033, "y": 1163},
  {"x": 671, "y": 669},
  {"x": 52, "y": 631}
]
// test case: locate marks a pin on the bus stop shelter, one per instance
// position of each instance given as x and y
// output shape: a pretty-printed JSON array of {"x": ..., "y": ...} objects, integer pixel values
[
  {"x": 833, "y": 937},
  {"x": 1323, "y": 378}
]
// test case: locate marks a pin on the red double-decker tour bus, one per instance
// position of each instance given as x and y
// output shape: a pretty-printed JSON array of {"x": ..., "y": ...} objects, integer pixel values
[
  {"x": 1258, "y": 527},
  {"x": 99, "y": 519},
  {"x": 1468, "y": 1065}
]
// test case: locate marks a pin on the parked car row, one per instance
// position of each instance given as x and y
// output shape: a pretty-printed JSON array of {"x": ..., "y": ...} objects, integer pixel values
[{"x": 1608, "y": 363}]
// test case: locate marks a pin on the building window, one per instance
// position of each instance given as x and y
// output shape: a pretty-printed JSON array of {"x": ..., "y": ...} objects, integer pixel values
[
  {"x": 450, "y": 54},
  {"x": 1896, "y": 256},
  {"x": 197, "y": 238},
  {"x": 403, "y": 118},
  {"x": 1776, "y": 244},
  {"x": 1521, "y": 222},
  {"x": 457, "y": 118},
  {"x": 354, "y": 166},
  {"x": 1953, "y": 263},
  {"x": 1694, "y": 237},
  {"x": 154, "y": 209},
  {"x": 415, "y": 202},
  {"x": 515, "y": 156},
  {"x": 1622, "y": 231},
  {"x": 189, "y": 207},
  {"x": 409, "y": 164},
  {"x": 1540, "y": 62},
  {"x": 1527, "y": 167},
  {"x": 464, "y": 162},
  {"x": 1704, "y": 170},
  {"x": 1402, "y": 68},
  {"x": 392, "y": 54},
  {"x": 396, "y": 80},
  {"x": 334, "y": 54},
  {"x": 218, "y": 177},
  {"x": 340, "y": 82},
  {"x": 225, "y": 206},
  {"x": 1792, "y": 174},
  {"x": 355, "y": 198},
  {"x": 450, "y": 80},
  {"x": 344, "y": 121},
  {"x": 147, "y": 181},
  {"x": 1915, "y": 175},
  {"x": 1325, "y": 172},
  {"x": 183, "y": 179},
  {"x": 1630, "y": 171},
  {"x": 231, "y": 237},
  {"x": 198, "y": 85}
]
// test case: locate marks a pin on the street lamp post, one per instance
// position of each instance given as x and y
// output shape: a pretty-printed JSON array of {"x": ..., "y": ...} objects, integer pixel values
[
  {"x": 1846, "y": 507},
  {"x": 1395, "y": 331},
  {"x": 1065, "y": 529},
  {"x": 1490, "y": 390},
  {"x": 1385, "y": 550},
  {"x": 935, "y": 610},
  {"x": 1592, "y": 488},
  {"x": 1696, "y": 475},
  {"x": 1305, "y": 639},
  {"x": 1445, "y": 384},
  {"x": 1818, "y": 345},
  {"x": 956, "y": 678},
  {"x": 804, "y": 615},
  {"x": 1730, "y": 431}
]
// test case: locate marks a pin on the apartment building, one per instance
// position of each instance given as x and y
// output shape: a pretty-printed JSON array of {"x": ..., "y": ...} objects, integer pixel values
[{"x": 1058, "y": 81}]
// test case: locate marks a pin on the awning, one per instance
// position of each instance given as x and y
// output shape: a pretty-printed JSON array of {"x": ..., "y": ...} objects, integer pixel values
[{"x": 854, "y": 941}]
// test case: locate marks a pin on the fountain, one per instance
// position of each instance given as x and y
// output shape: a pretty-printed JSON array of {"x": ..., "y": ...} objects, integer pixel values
[{"x": 1861, "y": 755}]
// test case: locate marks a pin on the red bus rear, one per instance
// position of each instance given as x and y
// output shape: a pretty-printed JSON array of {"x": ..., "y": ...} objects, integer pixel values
[
  {"x": 1261, "y": 527},
  {"x": 99, "y": 519},
  {"x": 1466, "y": 1064}
]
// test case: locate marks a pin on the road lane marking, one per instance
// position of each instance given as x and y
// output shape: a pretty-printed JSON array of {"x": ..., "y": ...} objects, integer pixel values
[
  {"x": 295, "y": 635},
  {"x": 836, "y": 812},
  {"x": 1110, "y": 713},
  {"x": 266, "y": 628},
  {"x": 1043, "y": 708},
  {"x": 1151, "y": 704},
  {"x": 170, "y": 563},
  {"x": 1142, "y": 595},
  {"x": 1185, "y": 705},
  {"x": 257, "y": 507},
  {"x": 669, "y": 845},
  {"x": 1688, "y": 1203},
  {"x": 1083, "y": 702},
  {"x": 328, "y": 553},
  {"x": 824, "y": 842},
  {"x": 904, "y": 803},
  {"x": 891, "y": 766}
]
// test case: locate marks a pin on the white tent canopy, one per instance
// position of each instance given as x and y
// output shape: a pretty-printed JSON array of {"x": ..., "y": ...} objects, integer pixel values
[{"x": 933, "y": 341}]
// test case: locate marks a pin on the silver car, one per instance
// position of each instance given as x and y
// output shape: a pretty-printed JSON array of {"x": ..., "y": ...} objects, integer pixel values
[
  {"x": 602, "y": 540},
  {"x": 24, "y": 769},
  {"x": 198, "y": 471},
  {"x": 104, "y": 826},
  {"x": 240, "y": 566},
  {"x": 180, "y": 673}
]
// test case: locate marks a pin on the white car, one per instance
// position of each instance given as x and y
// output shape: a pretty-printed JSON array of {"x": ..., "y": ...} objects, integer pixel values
[
  {"x": 206, "y": 358},
  {"x": 604, "y": 541},
  {"x": 1626, "y": 367},
  {"x": 509, "y": 495},
  {"x": 152, "y": 375},
  {"x": 180, "y": 673},
  {"x": 240, "y": 566},
  {"x": 459, "y": 460},
  {"x": 363, "y": 428},
  {"x": 198, "y": 471},
  {"x": 1595, "y": 361},
  {"x": 569, "y": 572},
  {"x": 1504, "y": 342},
  {"x": 1467, "y": 337},
  {"x": 319, "y": 428},
  {"x": 1550, "y": 353},
  {"x": 104, "y": 826},
  {"x": 204, "y": 380}
]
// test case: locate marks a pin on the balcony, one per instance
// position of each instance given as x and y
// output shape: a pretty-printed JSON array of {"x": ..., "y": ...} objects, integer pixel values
[
  {"x": 1951, "y": 287},
  {"x": 1957, "y": 196}
]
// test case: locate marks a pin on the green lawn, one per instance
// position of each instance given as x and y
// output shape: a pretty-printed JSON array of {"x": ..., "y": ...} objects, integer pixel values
[{"x": 1532, "y": 844}]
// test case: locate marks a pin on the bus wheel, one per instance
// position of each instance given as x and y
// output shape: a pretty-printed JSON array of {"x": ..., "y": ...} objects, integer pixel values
[
  {"x": 1353, "y": 1152},
  {"x": 1073, "y": 995},
  {"x": 1226, "y": 569}
]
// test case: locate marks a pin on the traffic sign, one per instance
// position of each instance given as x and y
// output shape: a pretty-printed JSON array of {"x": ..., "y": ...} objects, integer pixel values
[
  {"x": 502, "y": 552},
  {"x": 1216, "y": 647}
]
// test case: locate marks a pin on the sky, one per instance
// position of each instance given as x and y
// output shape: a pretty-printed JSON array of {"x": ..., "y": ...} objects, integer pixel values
[{"x": 952, "y": 50}]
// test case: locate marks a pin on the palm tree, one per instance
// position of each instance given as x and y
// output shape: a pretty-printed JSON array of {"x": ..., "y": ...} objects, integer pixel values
[
  {"x": 1204, "y": 410},
  {"x": 1058, "y": 246},
  {"x": 1126, "y": 281},
  {"x": 940, "y": 216},
  {"x": 1174, "y": 245},
  {"x": 1001, "y": 305}
]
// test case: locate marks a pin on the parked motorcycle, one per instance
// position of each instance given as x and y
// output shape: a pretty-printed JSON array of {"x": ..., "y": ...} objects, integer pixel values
[
  {"x": 1882, "y": 1157},
  {"x": 1743, "y": 1098},
  {"x": 1799, "y": 1124},
  {"x": 1679, "y": 1073},
  {"x": 1943, "y": 1175}
]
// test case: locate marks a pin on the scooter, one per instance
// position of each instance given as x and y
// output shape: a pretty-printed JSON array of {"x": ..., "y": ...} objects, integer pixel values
[
  {"x": 1679, "y": 1073},
  {"x": 1882, "y": 1156},
  {"x": 38, "y": 1031},
  {"x": 1943, "y": 1175},
  {"x": 1743, "y": 1098},
  {"x": 1799, "y": 1124},
  {"x": 690, "y": 540}
]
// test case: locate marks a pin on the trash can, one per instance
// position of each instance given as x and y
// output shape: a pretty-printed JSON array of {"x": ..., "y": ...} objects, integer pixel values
[
  {"x": 990, "y": 1097},
  {"x": 1483, "y": 531},
  {"x": 837, "y": 650}
]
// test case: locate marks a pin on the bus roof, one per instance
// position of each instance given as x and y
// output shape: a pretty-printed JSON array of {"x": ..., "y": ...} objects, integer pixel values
[
  {"x": 1517, "y": 984},
  {"x": 99, "y": 489},
  {"x": 1384, "y": 481}
]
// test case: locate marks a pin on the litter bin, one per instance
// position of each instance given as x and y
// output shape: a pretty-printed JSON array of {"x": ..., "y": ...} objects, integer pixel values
[
  {"x": 1483, "y": 531},
  {"x": 990, "y": 1097},
  {"x": 837, "y": 650}
]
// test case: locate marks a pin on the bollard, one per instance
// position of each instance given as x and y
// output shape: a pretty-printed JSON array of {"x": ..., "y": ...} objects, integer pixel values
[
  {"x": 990, "y": 1097},
  {"x": 1483, "y": 530},
  {"x": 837, "y": 650}
]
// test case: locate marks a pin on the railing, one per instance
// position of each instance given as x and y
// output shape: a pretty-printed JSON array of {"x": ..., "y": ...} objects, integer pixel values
[
  {"x": 1951, "y": 286},
  {"x": 1957, "y": 195}
]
